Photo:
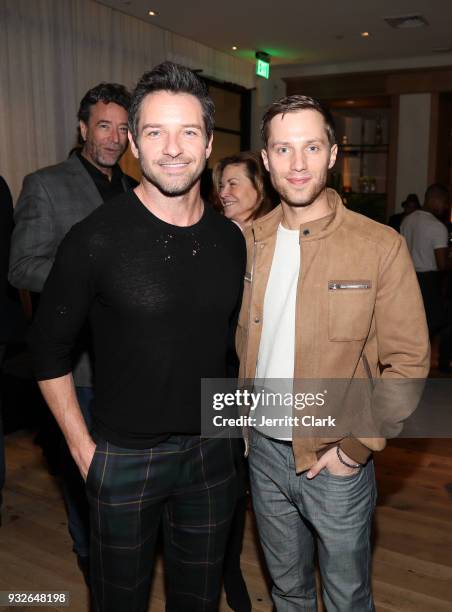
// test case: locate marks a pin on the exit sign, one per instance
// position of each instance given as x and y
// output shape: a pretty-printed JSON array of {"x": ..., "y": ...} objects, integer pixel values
[
  {"x": 262, "y": 64},
  {"x": 262, "y": 69}
]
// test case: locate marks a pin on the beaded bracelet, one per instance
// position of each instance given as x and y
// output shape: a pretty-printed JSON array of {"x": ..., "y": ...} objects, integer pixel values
[{"x": 349, "y": 465}]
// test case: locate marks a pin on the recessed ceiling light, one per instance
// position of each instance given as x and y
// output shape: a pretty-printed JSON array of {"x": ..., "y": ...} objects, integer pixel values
[
  {"x": 365, "y": 34},
  {"x": 234, "y": 48},
  {"x": 152, "y": 13}
]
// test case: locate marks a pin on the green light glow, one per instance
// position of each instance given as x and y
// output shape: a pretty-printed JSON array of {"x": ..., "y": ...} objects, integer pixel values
[{"x": 262, "y": 69}]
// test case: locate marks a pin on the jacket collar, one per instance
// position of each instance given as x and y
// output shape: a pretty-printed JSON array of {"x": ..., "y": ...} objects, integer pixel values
[
  {"x": 74, "y": 165},
  {"x": 266, "y": 226},
  {"x": 82, "y": 181}
]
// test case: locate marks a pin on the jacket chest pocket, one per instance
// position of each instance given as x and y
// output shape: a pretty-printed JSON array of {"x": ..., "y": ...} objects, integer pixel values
[{"x": 350, "y": 307}]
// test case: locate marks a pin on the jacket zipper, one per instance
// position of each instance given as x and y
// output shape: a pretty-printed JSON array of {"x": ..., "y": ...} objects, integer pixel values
[
  {"x": 251, "y": 304},
  {"x": 335, "y": 285},
  {"x": 246, "y": 438},
  {"x": 299, "y": 287}
]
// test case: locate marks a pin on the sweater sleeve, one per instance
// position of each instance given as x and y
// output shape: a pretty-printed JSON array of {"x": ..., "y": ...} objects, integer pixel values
[{"x": 64, "y": 306}]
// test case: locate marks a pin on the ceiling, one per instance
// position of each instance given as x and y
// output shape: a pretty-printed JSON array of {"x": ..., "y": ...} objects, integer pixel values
[{"x": 301, "y": 32}]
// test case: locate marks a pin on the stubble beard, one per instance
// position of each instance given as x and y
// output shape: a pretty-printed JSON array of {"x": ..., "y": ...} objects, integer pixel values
[
  {"x": 306, "y": 198},
  {"x": 172, "y": 187},
  {"x": 95, "y": 152}
]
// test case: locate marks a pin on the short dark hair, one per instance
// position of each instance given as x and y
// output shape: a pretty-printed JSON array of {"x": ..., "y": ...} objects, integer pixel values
[
  {"x": 293, "y": 104},
  {"x": 104, "y": 92},
  {"x": 174, "y": 78},
  {"x": 436, "y": 190},
  {"x": 254, "y": 170}
]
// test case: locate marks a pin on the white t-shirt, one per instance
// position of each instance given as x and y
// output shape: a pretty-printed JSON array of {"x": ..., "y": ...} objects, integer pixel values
[
  {"x": 277, "y": 345},
  {"x": 424, "y": 233}
]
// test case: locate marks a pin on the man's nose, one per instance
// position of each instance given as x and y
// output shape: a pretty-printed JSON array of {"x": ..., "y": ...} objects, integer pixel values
[
  {"x": 172, "y": 145},
  {"x": 299, "y": 160},
  {"x": 115, "y": 135}
]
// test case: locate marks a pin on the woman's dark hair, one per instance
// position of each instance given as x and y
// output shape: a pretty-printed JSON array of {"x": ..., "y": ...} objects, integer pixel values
[
  {"x": 104, "y": 92},
  {"x": 255, "y": 171},
  {"x": 175, "y": 79},
  {"x": 293, "y": 104}
]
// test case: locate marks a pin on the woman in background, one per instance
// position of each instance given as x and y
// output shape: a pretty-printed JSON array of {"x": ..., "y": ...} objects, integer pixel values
[{"x": 242, "y": 188}]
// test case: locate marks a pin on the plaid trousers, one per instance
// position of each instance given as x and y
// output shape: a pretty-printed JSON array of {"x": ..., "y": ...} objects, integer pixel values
[{"x": 188, "y": 484}]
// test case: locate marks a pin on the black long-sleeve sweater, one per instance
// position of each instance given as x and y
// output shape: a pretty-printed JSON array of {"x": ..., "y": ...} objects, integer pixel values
[{"x": 160, "y": 299}]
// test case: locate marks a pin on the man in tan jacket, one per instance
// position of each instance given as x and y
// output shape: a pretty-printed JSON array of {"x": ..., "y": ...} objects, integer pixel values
[{"x": 329, "y": 294}]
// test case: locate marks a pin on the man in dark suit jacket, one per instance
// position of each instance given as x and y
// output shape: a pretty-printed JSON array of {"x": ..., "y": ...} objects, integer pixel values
[{"x": 52, "y": 200}]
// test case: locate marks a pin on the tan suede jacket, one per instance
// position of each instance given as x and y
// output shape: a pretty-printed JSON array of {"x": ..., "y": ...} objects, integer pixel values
[{"x": 374, "y": 327}]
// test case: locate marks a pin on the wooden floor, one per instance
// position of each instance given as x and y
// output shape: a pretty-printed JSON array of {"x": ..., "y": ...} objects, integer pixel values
[{"x": 413, "y": 532}]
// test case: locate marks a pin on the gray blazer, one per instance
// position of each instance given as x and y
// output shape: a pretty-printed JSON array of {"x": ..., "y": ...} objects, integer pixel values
[{"x": 52, "y": 200}]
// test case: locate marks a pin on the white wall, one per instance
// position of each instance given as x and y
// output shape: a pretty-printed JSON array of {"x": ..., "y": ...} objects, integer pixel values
[{"x": 413, "y": 146}]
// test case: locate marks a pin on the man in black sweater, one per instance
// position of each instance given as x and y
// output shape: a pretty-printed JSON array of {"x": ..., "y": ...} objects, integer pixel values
[{"x": 159, "y": 275}]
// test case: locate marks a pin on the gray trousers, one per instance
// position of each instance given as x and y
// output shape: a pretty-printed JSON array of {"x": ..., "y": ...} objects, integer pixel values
[{"x": 296, "y": 516}]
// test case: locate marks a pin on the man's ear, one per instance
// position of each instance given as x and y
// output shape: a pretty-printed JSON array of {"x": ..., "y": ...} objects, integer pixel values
[
  {"x": 265, "y": 158},
  {"x": 133, "y": 146},
  {"x": 333, "y": 155},
  {"x": 209, "y": 146},
  {"x": 83, "y": 130}
]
